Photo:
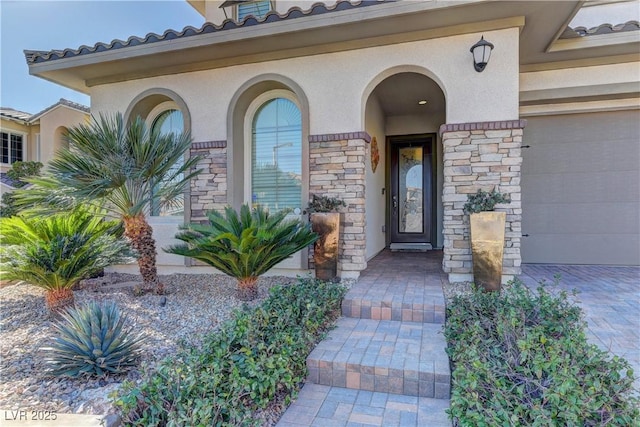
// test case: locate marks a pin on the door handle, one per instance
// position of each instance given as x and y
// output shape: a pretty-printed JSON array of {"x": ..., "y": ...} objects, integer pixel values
[{"x": 395, "y": 202}]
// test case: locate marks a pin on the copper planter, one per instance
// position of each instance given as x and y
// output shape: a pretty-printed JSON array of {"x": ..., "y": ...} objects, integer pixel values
[
  {"x": 325, "y": 249},
  {"x": 487, "y": 248}
]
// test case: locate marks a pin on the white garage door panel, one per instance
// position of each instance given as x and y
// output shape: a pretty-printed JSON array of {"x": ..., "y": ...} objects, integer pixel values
[{"x": 581, "y": 189}]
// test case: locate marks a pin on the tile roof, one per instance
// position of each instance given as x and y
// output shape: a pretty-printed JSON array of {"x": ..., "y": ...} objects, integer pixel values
[
  {"x": 64, "y": 102},
  {"x": 572, "y": 33},
  {"x": 37, "y": 56},
  {"x": 28, "y": 117},
  {"x": 14, "y": 114}
]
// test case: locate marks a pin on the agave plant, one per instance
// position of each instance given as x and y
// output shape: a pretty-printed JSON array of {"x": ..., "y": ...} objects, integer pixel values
[
  {"x": 56, "y": 252},
  {"x": 244, "y": 246},
  {"x": 93, "y": 339}
]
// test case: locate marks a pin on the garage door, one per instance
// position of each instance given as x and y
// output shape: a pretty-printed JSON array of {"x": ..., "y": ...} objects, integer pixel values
[{"x": 581, "y": 189}]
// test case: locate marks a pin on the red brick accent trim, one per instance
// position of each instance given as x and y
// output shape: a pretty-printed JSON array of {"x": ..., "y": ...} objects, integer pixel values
[
  {"x": 340, "y": 137},
  {"x": 504, "y": 124},
  {"x": 208, "y": 144}
]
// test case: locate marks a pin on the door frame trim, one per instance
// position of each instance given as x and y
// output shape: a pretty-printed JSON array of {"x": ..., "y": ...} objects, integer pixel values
[{"x": 398, "y": 139}]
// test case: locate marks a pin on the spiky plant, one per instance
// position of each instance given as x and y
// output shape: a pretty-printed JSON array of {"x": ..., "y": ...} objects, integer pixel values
[
  {"x": 244, "y": 246},
  {"x": 56, "y": 252},
  {"x": 124, "y": 167},
  {"x": 93, "y": 339}
]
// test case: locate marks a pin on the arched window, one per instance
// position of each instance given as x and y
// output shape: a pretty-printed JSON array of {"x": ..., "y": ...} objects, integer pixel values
[
  {"x": 276, "y": 155},
  {"x": 168, "y": 121}
]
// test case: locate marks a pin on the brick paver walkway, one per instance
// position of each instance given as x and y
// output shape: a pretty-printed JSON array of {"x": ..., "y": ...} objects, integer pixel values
[
  {"x": 325, "y": 406},
  {"x": 609, "y": 296},
  {"x": 610, "y": 299}
]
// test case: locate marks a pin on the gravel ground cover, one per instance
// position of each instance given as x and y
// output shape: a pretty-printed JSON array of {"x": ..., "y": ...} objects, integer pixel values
[{"x": 193, "y": 306}]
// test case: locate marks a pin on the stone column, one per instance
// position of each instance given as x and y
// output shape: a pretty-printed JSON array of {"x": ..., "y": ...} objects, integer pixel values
[
  {"x": 480, "y": 156},
  {"x": 209, "y": 189},
  {"x": 337, "y": 169}
]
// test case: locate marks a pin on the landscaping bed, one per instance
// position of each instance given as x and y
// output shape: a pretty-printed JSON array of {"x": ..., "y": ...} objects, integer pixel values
[
  {"x": 243, "y": 374},
  {"x": 195, "y": 305},
  {"x": 521, "y": 357}
]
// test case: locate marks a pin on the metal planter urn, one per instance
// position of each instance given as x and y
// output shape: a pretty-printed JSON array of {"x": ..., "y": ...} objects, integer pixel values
[
  {"x": 487, "y": 248},
  {"x": 487, "y": 238},
  {"x": 325, "y": 249},
  {"x": 325, "y": 221}
]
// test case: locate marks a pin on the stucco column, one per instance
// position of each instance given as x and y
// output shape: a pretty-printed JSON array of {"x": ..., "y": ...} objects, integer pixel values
[
  {"x": 337, "y": 169},
  {"x": 484, "y": 155}
]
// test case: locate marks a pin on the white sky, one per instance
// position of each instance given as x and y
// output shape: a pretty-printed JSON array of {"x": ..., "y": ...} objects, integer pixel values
[{"x": 48, "y": 25}]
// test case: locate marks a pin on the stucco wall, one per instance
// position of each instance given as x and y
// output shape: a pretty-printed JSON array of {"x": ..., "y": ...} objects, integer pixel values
[
  {"x": 375, "y": 182},
  {"x": 338, "y": 84},
  {"x": 584, "y": 77},
  {"x": 50, "y": 132},
  {"x": 337, "y": 87}
]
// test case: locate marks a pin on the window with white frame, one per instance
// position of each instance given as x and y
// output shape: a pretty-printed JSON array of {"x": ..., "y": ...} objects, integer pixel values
[
  {"x": 13, "y": 147},
  {"x": 276, "y": 155},
  {"x": 257, "y": 9},
  {"x": 168, "y": 121}
]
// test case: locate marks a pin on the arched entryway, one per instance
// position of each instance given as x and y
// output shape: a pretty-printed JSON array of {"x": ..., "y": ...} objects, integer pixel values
[
  {"x": 404, "y": 109},
  {"x": 60, "y": 138}
]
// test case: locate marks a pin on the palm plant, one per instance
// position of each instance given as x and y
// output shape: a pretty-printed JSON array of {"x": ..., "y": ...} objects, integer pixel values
[
  {"x": 124, "y": 167},
  {"x": 244, "y": 246},
  {"x": 56, "y": 252}
]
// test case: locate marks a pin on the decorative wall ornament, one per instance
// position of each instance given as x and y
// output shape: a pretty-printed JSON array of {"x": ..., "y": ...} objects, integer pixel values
[{"x": 375, "y": 154}]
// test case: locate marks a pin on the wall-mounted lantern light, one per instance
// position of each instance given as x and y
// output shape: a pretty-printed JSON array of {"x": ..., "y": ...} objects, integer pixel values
[{"x": 481, "y": 52}]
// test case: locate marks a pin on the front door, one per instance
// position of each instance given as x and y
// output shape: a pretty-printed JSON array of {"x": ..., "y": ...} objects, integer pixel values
[{"x": 410, "y": 210}]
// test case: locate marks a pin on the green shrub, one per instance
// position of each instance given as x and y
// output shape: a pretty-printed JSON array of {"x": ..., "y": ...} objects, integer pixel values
[
  {"x": 258, "y": 355},
  {"x": 244, "y": 245},
  {"x": 18, "y": 171},
  {"x": 93, "y": 339},
  {"x": 325, "y": 204},
  {"x": 55, "y": 252},
  {"x": 521, "y": 358},
  {"x": 484, "y": 201}
]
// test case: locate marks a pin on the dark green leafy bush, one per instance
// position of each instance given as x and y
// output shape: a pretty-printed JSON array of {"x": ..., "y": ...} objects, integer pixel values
[
  {"x": 258, "y": 355},
  {"x": 521, "y": 358},
  {"x": 484, "y": 201},
  {"x": 18, "y": 171},
  {"x": 93, "y": 339},
  {"x": 325, "y": 204}
]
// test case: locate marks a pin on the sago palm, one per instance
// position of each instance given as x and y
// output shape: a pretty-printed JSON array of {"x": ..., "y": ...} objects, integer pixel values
[
  {"x": 125, "y": 168},
  {"x": 57, "y": 251},
  {"x": 244, "y": 246}
]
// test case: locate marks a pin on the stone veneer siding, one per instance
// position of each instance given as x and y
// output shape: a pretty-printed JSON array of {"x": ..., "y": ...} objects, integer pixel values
[
  {"x": 480, "y": 156},
  {"x": 337, "y": 169},
  {"x": 209, "y": 189}
]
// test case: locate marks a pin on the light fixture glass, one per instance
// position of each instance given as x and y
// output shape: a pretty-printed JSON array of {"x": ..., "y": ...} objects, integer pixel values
[
  {"x": 481, "y": 52},
  {"x": 422, "y": 102}
]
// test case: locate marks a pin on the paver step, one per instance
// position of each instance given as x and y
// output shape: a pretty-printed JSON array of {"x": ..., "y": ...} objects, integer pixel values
[
  {"x": 383, "y": 356},
  {"x": 429, "y": 311},
  {"x": 396, "y": 300},
  {"x": 325, "y": 406}
]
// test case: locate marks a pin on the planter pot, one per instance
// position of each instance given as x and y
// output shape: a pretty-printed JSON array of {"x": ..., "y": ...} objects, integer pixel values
[
  {"x": 325, "y": 249},
  {"x": 487, "y": 248}
]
